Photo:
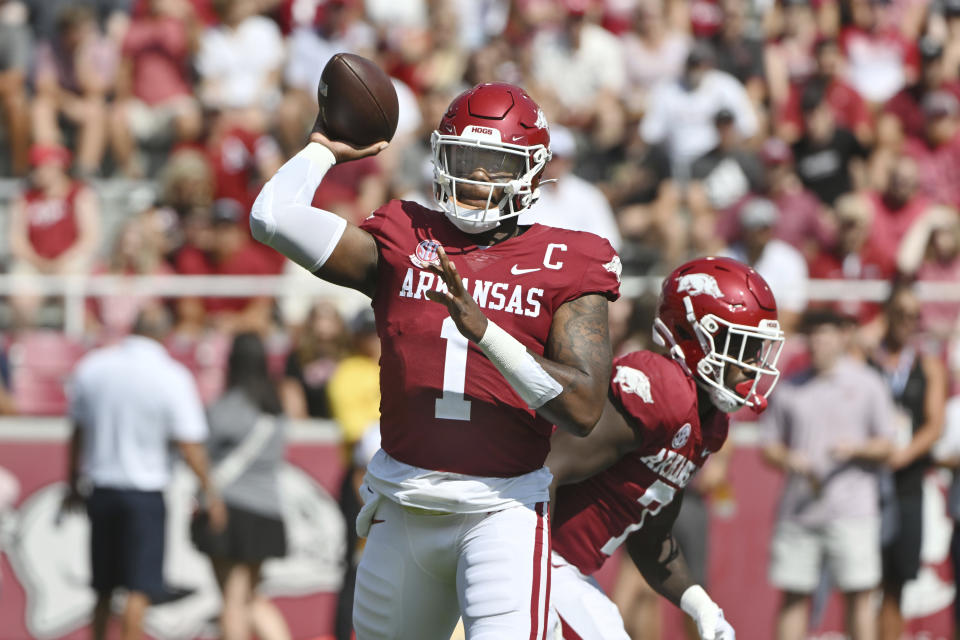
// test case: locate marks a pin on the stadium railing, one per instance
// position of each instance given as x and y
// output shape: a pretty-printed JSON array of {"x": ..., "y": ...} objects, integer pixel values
[{"x": 76, "y": 289}]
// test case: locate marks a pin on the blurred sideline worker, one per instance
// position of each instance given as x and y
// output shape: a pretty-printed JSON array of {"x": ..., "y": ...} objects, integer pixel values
[
  {"x": 128, "y": 402},
  {"x": 664, "y": 417},
  {"x": 246, "y": 448},
  {"x": 917, "y": 382},
  {"x": 829, "y": 429}
]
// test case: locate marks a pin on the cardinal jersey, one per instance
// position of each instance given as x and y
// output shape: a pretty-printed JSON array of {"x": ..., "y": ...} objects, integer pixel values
[
  {"x": 444, "y": 406},
  {"x": 658, "y": 399},
  {"x": 52, "y": 223}
]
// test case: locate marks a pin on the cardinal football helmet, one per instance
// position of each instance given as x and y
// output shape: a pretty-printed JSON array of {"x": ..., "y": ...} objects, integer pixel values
[
  {"x": 494, "y": 140},
  {"x": 715, "y": 312}
]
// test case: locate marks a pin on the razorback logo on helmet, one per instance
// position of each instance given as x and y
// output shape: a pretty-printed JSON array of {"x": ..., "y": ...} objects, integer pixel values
[
  {"x": 634, "y": 381},
  {"x": 699, "y": 283},
  {"x": 541, "y": 122}
]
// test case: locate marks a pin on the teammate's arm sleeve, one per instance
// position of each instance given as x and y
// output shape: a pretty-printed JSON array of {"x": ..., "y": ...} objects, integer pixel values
[
  {"x": 574, "y": 459},
  {"x": 657, "y": 555}
]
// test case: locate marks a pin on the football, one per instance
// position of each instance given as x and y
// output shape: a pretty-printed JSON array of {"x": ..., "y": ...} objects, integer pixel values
[{"x": 358, "y": 104}]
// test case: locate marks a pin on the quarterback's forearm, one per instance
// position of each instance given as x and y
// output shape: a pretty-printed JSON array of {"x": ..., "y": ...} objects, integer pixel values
[{"x": 567, "y": 386}]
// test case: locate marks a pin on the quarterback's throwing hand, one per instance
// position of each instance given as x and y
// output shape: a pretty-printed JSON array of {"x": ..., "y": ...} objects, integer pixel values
[
  {"x": 344, "y": 152},
  {"x": 463, "y": 308}
]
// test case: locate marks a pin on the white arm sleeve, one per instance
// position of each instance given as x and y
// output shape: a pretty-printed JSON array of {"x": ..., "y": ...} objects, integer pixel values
[{"x": 282, "y": 217}]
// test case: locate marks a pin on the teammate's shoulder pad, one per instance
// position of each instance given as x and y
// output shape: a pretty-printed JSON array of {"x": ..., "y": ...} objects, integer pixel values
[{"x": 655, "y": 379}]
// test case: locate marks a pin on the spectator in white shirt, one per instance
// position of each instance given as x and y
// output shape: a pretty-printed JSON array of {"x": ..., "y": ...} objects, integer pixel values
[
  {"x": 571, "y": 202},
  {"x": 128, "y": 402},
  {"x": 240, "y": 59},
  {"x": 680, "y": 114},
  {"x": 782, "y": 266},
  {"x": 579, "y": 66}
]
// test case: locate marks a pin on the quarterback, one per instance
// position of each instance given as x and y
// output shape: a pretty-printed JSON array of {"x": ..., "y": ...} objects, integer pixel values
[
  {"x": 492, "y": 333},
  {"x": 664, "y": 416}
]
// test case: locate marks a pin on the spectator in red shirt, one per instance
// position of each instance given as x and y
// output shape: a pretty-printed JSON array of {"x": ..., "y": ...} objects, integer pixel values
[
  {"x": 852, "y": 258},
  {"x": 938, "y": 154},
  {"x": 849, "y": 110},
  {"x": 896, "y": 208},
  {"x": 154, "y": 97},
  {"x": 907, "y": 106},
  {"x": 804, "y": 222},
  {"x": 231, "y": 252},
  {"x": 54, "y": 225},
  {"x": 73, "y": 75},
  {"x": 242, "y": 159}
]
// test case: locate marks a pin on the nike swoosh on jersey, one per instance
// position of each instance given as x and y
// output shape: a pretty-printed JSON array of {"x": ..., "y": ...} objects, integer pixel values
[{"x": 517, "y": 271}]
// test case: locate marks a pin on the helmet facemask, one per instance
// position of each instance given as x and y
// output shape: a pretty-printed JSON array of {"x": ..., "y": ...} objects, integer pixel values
[
  {"x": 754, "y": 350},
  {"x": 479, "y": 182}
]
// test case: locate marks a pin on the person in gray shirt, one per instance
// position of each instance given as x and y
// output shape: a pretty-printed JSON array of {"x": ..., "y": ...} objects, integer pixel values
[
  {"x": 830, "y": 430},
  {"x": 246, "y": 448}
]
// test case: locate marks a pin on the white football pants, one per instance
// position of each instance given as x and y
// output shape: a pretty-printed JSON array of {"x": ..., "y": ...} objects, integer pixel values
[
  {"x": 579, "y": 609},
  {"x": 420, "y": 572}
]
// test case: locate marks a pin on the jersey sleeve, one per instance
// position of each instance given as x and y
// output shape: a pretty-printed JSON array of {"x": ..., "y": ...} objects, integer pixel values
[
  {"x": 600, "y": 266},
  {"x": 644, "y": 388},
  {"x": 375, "y": 222}
]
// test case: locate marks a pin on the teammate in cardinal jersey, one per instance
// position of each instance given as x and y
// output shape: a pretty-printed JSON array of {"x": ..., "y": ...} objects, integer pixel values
[
  {"x": 664, "y": 416},
  {"x": 492, "y": 333}
]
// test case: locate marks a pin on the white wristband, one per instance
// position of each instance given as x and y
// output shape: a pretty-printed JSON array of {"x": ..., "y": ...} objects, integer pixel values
[
  {"x": 696, "y": 603},
  {"x": 522, "y": 371}
]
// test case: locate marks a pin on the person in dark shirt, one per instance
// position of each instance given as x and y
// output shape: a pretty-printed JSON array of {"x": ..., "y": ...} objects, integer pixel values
[
  {"x": 639, "y": 184},
  {"x": 828, "y": 157},
  {"x": 320, "y": 347}
]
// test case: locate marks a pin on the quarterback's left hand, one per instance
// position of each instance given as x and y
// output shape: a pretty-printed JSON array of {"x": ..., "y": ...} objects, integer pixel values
[
  {"x": 463, "y": 308},
  {"x": 713, "y": 626}
]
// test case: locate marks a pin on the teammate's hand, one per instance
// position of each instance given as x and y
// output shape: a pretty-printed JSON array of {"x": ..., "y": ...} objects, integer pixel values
[
  {"x": 344, "y": 152},
  {"x": 713, "y": 626},
  {"x": 463, "y": 308}
]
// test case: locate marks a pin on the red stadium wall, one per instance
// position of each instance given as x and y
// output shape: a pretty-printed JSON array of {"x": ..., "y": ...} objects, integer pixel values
[{"x": 44, "y": 571}]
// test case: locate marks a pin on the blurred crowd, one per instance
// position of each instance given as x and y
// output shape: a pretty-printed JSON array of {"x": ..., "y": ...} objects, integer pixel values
[{"x": 812, "y": 139}]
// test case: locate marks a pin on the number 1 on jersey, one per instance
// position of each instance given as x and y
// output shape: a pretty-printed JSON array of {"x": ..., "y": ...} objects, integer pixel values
[{"x": 451, "y": 405}]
